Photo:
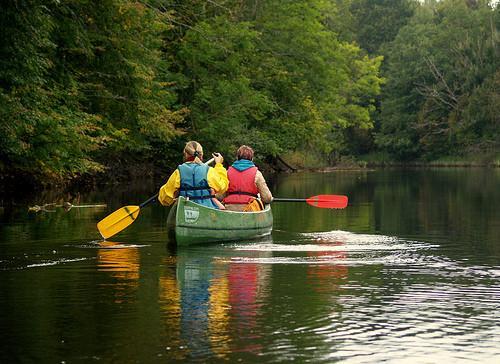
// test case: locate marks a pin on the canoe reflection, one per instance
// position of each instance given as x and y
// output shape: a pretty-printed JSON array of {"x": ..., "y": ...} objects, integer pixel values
[{"x": 219, "y": 300}]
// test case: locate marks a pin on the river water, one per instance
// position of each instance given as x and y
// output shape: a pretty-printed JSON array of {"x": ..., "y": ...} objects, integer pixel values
[{"x": 408, "y": 272}]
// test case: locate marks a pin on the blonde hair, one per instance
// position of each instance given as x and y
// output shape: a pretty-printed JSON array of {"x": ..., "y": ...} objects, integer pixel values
[{"x": 193, "y": 149}]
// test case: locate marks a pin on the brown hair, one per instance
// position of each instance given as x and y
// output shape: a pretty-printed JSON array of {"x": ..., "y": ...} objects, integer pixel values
[
  {"x": 194, "y": 151},
  {"x": 244, "y": 152}
]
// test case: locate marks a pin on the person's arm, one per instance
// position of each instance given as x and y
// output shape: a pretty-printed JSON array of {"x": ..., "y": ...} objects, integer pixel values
[
  {"x": 169, "y": 189},
  {"x": 261, "y": 184},
  {"x": 217, "y": 178}
]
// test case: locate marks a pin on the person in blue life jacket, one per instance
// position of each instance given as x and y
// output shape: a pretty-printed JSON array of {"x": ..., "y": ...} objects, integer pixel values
[
  {"x": 247, "y": 189},
  {"x": 195, "y": 180}
]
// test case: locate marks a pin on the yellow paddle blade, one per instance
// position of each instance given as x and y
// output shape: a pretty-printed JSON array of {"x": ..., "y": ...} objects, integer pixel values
[{"x": 118, "y": 221}]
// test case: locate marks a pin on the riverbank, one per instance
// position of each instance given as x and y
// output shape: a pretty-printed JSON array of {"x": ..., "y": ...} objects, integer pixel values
[
  {"x": 15, "y": 185},
  {"x": 483, "y": 159},
  {"x": 308, "y": 162}
]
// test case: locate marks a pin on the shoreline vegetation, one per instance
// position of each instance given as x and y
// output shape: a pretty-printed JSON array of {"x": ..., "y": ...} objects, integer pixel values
[
  {"x": 306, "y": 162},
  {"x": 13, "y": 187},
  {"x": 94, "y": 92},
  {"x": 295, "y": 163}
]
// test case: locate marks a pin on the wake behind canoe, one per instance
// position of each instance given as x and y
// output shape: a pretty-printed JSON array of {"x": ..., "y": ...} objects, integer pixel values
[{"x": 191, "y": 223}]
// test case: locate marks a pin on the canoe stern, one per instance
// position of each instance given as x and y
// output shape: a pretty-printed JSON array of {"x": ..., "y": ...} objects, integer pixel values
[{"x": 194, "y": 224}]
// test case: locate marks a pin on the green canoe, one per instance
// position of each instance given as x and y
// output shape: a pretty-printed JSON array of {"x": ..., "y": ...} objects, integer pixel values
[{"x": 191, "y": 223}]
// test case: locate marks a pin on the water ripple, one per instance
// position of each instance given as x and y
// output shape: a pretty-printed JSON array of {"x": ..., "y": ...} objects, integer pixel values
[
  {"x": 54, "y": 262},
  {"x": 391, "y": 299},
  {"x": 350, "y": 249}
]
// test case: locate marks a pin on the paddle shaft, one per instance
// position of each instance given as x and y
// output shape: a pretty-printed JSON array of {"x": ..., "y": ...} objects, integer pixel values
[
  {"x": 289, "y": 200},
  {"x": 148, "y": 201}
]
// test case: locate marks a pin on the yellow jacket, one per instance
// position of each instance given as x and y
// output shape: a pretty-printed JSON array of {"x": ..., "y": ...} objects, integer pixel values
[{"x": 216, "y": 178}]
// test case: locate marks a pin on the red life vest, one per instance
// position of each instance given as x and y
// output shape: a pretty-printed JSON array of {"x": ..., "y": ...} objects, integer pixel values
[{"x": 242, "y": 188}]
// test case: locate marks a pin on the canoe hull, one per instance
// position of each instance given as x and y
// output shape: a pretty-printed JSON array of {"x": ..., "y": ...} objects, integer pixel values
[{"x": 190, "y": 223}]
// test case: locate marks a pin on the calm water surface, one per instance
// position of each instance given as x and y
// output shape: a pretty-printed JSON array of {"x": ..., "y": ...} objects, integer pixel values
[{"x": 408, "y": 272}]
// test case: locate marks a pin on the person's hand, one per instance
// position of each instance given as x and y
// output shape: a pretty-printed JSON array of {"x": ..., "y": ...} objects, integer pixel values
[{"x": 218, "y": 158}]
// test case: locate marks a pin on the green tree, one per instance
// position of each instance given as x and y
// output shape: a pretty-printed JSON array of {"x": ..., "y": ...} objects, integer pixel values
[
  {"x": 377, "y": 22},
  {"x": 225, "y": 107},
  {"x": 274, "y": 74},
  {"x": 42, "y": 132},
  {"x": 82, "y": 85},
  {"x": 438, "y": 65},
  {"x": 320, "y": 77}
]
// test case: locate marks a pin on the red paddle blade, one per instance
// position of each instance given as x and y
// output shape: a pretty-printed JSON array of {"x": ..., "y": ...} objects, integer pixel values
[{"x": 328, "y": 201}]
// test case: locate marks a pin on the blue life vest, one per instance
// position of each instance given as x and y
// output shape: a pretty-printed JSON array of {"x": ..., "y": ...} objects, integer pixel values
[{"x": 194, "y": 184}]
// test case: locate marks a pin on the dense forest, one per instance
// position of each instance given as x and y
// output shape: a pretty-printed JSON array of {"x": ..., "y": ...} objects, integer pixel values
[{"x": 91, "y": 88}]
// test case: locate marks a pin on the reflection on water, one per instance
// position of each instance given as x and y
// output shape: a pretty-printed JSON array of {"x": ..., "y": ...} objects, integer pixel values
[
  {"x": 170, "y": 307},
  {"x": 219, "y": 301},
  {"x": 194, "y": 280},
  {"x": 120, "y": 260},
  {"x": 219, "y": 314},
  {"x": 409, "y": 272},
  {"x": 328, "y": 277},
  {"x": 248, "y": 285},
  {"x": 388, "y": 307}
]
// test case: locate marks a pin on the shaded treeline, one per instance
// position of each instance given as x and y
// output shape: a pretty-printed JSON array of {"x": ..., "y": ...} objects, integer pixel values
[
  {"x": 442, "y": 96},
  {"x": 89, "y": 87}
]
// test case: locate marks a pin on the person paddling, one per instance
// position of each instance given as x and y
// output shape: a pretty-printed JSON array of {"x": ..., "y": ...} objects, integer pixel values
[
  {"x": 246, "y": 183},
  {"x": 195, "y": 180}
]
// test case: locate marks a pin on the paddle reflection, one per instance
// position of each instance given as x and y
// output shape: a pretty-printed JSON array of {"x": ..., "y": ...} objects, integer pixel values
[
  {"x": 169, "y": 301},
  {"x": 121, "y": 260},
  {"x": 330, "y": 271},
  {"x": 219, "y": 313},
  {"x": 247, "y": 283},
  {"x": 217, "y": 296}
]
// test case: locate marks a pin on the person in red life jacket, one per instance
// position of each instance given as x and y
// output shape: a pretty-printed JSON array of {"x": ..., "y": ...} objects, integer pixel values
[
  {"x": 195, "y": 180},
  {"x": 246, "y": 182}
]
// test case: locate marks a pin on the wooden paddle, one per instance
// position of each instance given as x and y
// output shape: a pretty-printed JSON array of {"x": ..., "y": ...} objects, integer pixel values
[
  {"x": 321, "y": 201},
  {"x": 123, "y": 217}
]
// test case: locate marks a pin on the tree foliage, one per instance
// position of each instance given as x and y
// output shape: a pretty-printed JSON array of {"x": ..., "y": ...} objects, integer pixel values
[
  {"x": 377, "y": 22},
  {"x": 442, "y": 82},
  {"x": 86, "y": 86},
  {"x": 274, "y": 74},
  {"x": 82, "y": 83}
]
